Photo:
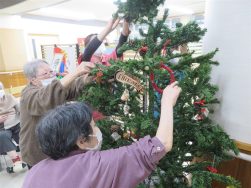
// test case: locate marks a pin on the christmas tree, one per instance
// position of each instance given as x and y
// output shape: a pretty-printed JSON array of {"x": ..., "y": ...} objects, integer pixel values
[{"x": 128, "y": 93}]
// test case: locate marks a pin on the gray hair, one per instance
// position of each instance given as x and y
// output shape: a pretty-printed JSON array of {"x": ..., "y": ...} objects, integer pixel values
[{"x": 30, "y": 68}]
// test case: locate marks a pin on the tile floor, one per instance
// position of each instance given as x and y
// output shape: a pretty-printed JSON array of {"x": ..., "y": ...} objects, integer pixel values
[{"x": 7, "y": 180}]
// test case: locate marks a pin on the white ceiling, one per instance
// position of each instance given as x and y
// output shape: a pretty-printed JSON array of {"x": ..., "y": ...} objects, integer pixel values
[{"x": 82, "y": 10}]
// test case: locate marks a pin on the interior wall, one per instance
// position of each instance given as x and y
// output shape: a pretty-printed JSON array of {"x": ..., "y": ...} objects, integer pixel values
[
  {"x": 229, "y": 28},
  {"x": 2, "y": 65},
  {"x": 67, "y": 33},
  {"x": 13, "y": 53},
  {"x": 16, "y": 32}
]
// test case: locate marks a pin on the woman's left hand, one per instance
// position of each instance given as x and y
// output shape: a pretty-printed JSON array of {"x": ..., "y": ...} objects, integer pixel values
[{"x": 3, "y": 118}]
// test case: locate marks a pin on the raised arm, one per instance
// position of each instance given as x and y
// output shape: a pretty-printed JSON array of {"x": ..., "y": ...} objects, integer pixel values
[
  {"x": 96, "y": 40},
  {"x": 82, "y": 70},
  {"x": 123, "y": 37},
  {"x": 38, "y": 100},
  {"x": 165, "y": 129},
  {"x": 111, "y": 25}
]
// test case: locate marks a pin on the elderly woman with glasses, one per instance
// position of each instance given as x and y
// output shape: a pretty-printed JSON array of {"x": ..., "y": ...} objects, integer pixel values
[{"x": 44, "y": 92}]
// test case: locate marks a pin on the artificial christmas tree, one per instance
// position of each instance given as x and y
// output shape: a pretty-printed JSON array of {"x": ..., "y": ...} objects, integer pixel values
[{"x": 128, "y": 93}]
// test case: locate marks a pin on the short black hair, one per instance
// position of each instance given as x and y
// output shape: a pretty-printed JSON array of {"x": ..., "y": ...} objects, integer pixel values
[
  {"x": 89, "y": 38},
  {"x": 59, "y": 130}
]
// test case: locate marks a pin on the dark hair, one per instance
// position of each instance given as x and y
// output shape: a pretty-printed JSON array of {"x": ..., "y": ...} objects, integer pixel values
[
  {"x": 89, "y": 38},
  {"x": 59, "y": 130}
]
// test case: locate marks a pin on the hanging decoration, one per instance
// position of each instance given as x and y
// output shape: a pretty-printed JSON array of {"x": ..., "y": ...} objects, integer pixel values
[
  {"x": 96, "y": 115},
  {"x": 122, "y": 77},
  {"x": 125, "y": 95},
  {"x": 212, "y": 169},
  {"x": 172, "y": 78},
  {"x": 115, "y": 129},
  {"x": 202, "y": 110},
  {"x": 143, "y": 50},
  {"x": 126, "y": 109},
  {"x": 99, "y": 76}
]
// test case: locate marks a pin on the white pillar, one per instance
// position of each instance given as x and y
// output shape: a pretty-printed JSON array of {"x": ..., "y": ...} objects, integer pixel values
[{"x": 229, "y": 29}]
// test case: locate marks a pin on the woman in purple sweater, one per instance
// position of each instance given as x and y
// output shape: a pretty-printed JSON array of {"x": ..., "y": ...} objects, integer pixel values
[{"x": 69, "y": 136}]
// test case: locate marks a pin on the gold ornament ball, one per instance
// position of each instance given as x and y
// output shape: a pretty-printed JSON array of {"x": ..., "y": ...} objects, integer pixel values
[{"x": 126, "y": 136}]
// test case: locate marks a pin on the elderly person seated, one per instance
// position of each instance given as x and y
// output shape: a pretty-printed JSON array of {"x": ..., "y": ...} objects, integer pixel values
[
  {"x": 9, "y": 128},
  {"x": 43, "y": 93},
  {"x": 69, "y": 137}
]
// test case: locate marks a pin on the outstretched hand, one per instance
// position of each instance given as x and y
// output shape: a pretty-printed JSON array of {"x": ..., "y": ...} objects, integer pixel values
[
  {"x": 170, "y": 94},
  {"x": 3, "y": 118},
  {"x": 85, "y": 68}
]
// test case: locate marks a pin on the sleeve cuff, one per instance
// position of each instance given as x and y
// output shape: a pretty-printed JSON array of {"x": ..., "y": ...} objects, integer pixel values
[{"x": 157, "y": 149}]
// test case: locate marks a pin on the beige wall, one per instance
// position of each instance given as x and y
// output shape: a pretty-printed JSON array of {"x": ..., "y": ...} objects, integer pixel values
[{"x": 13, "y": 53}]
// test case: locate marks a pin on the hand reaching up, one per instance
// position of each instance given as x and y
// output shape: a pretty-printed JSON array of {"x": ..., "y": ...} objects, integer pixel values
[
  {"x": 85, "y": 68},
  {"x": 170, "y": 94}
]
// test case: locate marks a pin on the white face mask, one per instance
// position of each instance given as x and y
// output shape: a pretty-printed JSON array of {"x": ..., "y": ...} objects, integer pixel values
[
  {"x": 47, "y": 81},
  {"x": 101, "y": 50},
  {"x": 2, "y": 93},
  {"x": 99, "y": 144}
]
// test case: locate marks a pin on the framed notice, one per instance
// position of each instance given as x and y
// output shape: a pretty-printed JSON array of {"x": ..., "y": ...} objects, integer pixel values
[{"x": 61, "y": 57}]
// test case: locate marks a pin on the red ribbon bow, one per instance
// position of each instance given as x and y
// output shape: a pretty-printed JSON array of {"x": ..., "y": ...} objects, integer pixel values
[{"x": 212, "y": 169}]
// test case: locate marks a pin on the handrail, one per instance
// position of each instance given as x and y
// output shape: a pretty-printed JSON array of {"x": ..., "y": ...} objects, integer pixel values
[
  {"x": 243, "y": 147},
  {"x": 11, "y": 72}
]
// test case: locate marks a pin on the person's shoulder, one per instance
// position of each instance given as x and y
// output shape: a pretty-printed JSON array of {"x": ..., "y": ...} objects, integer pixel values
[
  {"x": 28, "y": 87},
  {"x": 28, "y": 91}
]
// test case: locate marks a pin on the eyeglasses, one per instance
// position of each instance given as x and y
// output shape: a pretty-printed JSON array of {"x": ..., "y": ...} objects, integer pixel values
[{"x": 46, "y": 74}]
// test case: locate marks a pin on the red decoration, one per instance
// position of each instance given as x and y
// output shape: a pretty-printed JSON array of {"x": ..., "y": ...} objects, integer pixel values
[
  {"x": 199, "y": 103},
  {"x": 198, "y": 117},
  {"x": 212, "y": 169},
  {"x": 143, "y": 50},
  {"x": 96, "y": 115},
  {"x": 100, "y": 74},
  {"x": 172, "y": 78},
  {"x": 203, "y": 110}
]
